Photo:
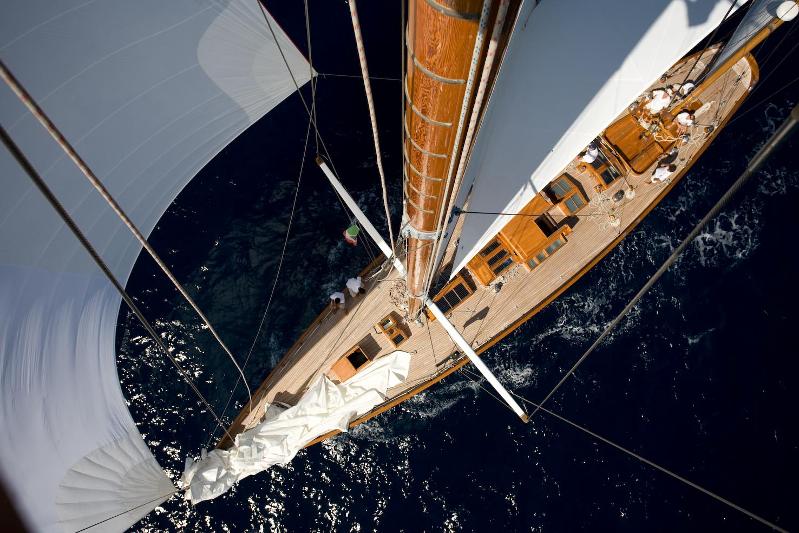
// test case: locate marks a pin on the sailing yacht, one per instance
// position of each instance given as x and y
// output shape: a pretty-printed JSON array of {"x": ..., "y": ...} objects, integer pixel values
[
  {"x": 524, "y": 165},
  {"x": 502, "y": 257}
]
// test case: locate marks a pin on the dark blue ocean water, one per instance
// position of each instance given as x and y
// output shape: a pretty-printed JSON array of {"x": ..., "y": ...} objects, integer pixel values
[{"x": 701, "y": 377}]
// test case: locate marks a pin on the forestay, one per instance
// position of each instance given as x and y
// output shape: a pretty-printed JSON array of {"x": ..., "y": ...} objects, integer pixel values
[
  {"x": 148, "y": 92},
  {"x": 567, "y": 74}
]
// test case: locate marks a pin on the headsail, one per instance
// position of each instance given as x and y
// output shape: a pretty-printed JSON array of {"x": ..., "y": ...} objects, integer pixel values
[
  {"x": 148, "y": 92},
  {"x": 566, "y": 76},
  {"x": 758, "y": 15}
]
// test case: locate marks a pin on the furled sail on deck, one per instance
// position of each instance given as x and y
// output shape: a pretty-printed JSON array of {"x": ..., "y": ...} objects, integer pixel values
[
  {"x": 148, "y": 92},
  {"x": 324, "y": 407},
  {"x": 567, "y": 74}
]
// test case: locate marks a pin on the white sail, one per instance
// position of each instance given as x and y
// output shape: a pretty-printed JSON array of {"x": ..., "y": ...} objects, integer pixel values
[
  {"x": 148, "y": 92},
  {"x": 570, "y": 69},
  {"x": 324, "y": 407}
]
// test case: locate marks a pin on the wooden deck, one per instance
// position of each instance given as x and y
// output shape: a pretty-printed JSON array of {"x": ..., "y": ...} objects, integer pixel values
[{"x": 488, "y": 315}]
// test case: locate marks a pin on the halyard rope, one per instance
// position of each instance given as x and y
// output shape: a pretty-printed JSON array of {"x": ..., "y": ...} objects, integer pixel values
[{"x": 356, "y": 28}]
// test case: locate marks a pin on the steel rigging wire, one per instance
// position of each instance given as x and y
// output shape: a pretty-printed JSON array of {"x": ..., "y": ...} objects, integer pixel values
[
  {"x": 754, "y": 165},
  {"x": 312, "y": 120},
  {"x": 308, "y": 109},
  {"x": 707, "y": 43},
  {"x": 474, "y": 379},
  {"x": 274, "y": 282}
]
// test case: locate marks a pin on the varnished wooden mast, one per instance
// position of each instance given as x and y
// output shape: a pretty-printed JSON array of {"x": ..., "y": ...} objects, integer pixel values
[{"x": 440, "y": 45}]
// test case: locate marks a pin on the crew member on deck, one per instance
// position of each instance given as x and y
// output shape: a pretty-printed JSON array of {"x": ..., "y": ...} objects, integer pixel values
[
  {"x": 686, "y": 88},
  {"x": 685, "y": 120},
  {"x": 662, "y": 172},
  {"x": 661, "y": 98},
  {"x": 337, "y": 300},
  {"x": 590, "y": 154},
  {"x": 669, "y": 157},
  {"x": 355, "y": 286}
]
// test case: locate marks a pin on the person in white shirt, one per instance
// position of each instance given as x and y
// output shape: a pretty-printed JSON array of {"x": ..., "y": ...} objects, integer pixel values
[
  {"x": 686, "y": 88},
  {"x": 661, "y": 98},
  {"x": 685, "y": 120},
  {"x": 337, "y": 300},
  {"x": 355, "y": 286},
  {"x": 590, "y": 154},
  {"x": 662, "y": 172}
]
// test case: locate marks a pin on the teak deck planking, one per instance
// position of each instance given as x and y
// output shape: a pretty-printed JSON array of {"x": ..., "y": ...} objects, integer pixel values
[{"x": 488, "y": 316}]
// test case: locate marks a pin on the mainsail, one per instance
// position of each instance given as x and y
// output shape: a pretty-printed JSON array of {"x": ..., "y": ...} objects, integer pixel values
[
  {"x": 567, "y": 74},
  {"x": 148, "y": 92}
]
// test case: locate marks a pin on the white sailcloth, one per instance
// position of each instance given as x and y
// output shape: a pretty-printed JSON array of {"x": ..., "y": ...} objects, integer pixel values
[
  {"x": 148, "y": 92},
  {"x": 323, "y": 408},
  {"x": 571, "y": 68}
]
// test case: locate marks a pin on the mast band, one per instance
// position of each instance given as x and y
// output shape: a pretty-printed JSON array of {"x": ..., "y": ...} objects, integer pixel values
[
  {"x": 430, "y": 74},
  {"x": 416, "y": 170},
  {"x": 449, "y": 12},
  {"x": 417, "y": 191},
  {"x": 426, "y": 152},
  {"x": 417, "y": 207},
  {"x": 410, "y": 231},
  {"x": 419, "y": 113}
]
